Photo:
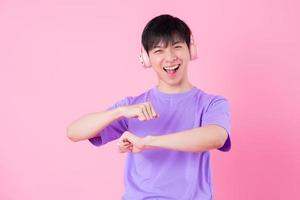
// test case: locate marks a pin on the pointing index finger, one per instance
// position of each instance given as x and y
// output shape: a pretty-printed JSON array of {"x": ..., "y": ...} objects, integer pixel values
[{"x": 152, "y": 110}]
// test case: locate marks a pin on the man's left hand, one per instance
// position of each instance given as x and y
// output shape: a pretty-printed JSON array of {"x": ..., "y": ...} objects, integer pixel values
[{"x": 129, "y": 142}]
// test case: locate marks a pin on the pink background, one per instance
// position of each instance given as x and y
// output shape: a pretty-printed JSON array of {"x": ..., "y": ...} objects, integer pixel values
[{"x": 65, "y": 58}]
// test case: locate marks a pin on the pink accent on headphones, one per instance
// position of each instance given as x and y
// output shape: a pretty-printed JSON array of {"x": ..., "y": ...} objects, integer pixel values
[{"x": 144, "y": 58}]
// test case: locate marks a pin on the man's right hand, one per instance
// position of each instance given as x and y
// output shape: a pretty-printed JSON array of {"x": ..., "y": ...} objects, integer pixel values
[{"x": 143, "y": 111}]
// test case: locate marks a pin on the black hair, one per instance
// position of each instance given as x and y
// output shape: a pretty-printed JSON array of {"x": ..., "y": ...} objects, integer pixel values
[{"x": 166, "y": 29}]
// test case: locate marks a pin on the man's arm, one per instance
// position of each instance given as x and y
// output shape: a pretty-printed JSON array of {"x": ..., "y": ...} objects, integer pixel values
[
  {"x": 89, "y": 125},
  {"x": 192, "y": 140}
]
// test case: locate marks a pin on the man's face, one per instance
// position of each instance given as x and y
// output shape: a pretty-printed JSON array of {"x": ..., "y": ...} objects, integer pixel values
[{"x": 170, "y": 62}]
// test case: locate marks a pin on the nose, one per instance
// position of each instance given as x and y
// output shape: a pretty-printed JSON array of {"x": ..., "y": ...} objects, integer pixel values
[{"x": 170, "y": 55}]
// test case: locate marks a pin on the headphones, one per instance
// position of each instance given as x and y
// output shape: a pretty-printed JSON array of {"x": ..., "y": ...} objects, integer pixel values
[{"x": 145, "y": 61}]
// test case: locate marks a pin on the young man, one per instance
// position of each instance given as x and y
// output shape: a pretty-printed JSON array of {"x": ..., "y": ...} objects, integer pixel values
[{"x": 167, "y": 130}]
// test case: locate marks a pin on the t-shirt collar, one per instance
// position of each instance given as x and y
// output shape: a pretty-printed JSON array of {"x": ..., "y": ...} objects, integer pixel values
[{"x": 174, "y": 96}]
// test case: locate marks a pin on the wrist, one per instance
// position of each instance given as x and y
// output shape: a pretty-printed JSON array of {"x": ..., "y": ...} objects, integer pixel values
[
  {"x": 149, "y": 141},
  {"x": 119, "y": 112}
]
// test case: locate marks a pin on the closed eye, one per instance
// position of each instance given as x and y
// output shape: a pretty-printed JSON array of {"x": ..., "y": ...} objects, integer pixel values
[{"x": 178, "y": 46}]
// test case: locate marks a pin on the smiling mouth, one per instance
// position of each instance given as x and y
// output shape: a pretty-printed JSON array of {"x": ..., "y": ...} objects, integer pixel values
[{"x": 171, "y": 70}]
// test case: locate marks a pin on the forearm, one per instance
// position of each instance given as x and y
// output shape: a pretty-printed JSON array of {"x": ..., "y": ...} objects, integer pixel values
[
  {"x": 192, "y": 140},
  {"x": 89, "y": 125}
]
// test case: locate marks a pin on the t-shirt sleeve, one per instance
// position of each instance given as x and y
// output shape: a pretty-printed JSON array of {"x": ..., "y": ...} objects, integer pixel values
[
  {"x": 218, "y": 113},
  {"x": 113, "y": 130}
]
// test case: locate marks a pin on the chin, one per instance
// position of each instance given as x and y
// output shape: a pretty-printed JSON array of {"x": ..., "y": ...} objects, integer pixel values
[{"x": 176, "y": 82}]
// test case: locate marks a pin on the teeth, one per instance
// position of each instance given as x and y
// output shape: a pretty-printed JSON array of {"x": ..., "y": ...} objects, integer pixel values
[{"x": 170, "y": 68}]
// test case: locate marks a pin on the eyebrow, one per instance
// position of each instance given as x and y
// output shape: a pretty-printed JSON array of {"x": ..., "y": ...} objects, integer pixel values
[
  {"x": 160, "y": 46},
  {"x": 157, "y": 46},
  {"x": 177, "y": 42}
]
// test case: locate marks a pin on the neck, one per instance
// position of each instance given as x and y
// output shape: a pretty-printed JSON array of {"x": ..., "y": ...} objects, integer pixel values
[{"x": 174, "y": 88}]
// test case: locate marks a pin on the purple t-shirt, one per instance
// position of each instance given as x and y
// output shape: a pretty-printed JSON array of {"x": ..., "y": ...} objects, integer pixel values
[{"x": 161, "y": 174}]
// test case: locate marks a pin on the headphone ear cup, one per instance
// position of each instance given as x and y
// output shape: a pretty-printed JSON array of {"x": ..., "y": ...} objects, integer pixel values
[
  {"x": 193, "y": 51},
  {"x": 144, "y": 58}
]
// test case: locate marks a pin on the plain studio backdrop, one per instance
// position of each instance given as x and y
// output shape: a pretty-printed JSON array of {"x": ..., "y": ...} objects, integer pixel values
[{"x": 62, "y": 59}]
